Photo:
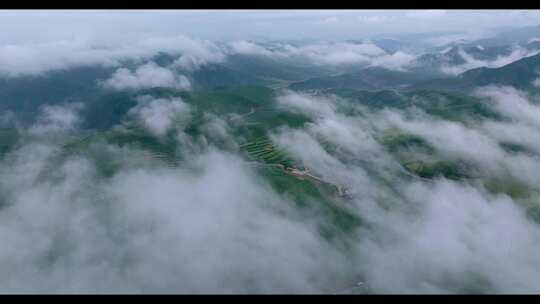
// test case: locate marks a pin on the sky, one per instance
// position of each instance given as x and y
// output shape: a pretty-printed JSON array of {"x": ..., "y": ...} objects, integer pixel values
[
  {"x": 109, "y": 25},
  {"x": 36, "y": 41}
]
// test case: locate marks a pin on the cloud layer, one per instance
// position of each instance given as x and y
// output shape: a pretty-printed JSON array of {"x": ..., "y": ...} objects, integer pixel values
[
  {"x": 160, "y": 115},
  {"x": 30, "y": 58},
  {"x": 213, "y": 223},
  {"x": 472, "y": 63},
  {"x": 146, "y": 76}
]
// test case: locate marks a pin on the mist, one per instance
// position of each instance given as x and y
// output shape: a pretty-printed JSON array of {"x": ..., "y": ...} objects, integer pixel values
[{"x": 368, "y": 196}]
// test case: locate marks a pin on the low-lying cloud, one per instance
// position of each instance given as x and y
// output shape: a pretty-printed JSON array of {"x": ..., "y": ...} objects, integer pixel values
[
  {"x": 159, "y": 115},
  {"x": 329, "y": 54},
  {"x": 435, "y": 236},
  {"x": 146, "y": 76},
  {"x": 211, "y": 225},
  {"x": 214, "y": 224},
  {"x": 36, "y": 59},
  {"x": 501, "y": 60},
  {"x": 57, "y": 119}
]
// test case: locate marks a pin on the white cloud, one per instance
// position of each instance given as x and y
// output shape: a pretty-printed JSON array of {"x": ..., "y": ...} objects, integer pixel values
[
  {"x": 454, "y": 140},
  {"x": 331, "y": 20},
  {"x": 213, "y": 217},
  {"x": 183, "y": 230},
  {"x": 305, "y": 104},
  {"x": 472, "y": 63},
  {"x": 467, "y": 36},
  {"x": 146, "y": 76},
  {"x": 161, "y": 115},
  {"x": 329, "y": 53},
  {"x": 249, "y": 48},
  {"x": 337, "y": 53},
  {"x": 38, "y": 58},
  {"x": 351, "y": 137},
  {"x": 57, "y": 119},
  {"x": 398, "y": 61},
  {"x": 512, "y": 103},
  {"x": 433, "y": 236},
  {"x": 463, "y": 239}
]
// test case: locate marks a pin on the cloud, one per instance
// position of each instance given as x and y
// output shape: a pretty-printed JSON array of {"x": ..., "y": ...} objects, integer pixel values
[
  {"x": 216, "y": 224},
  {"x": 331, "y": 20},
  {"x": 472, "y": 63},
  {"x": 467, "y": 36},
  {"x": 57, "y": 119},
  {"x": 328, "y": 54},
  {"x": 304, "y": 104},
  {"x": 244, "y": 47},
  {"x": 453, "y": 139},
  {"x": 434, "y": 236},
  {"x": 197, "y": 54},
  {"x": 154, "y": 230},
  {"x": 38, "y": 58},
  {"x": 512, "y": 103},
  {"x": 454, "y": 244},
  {"x": 146, "y": 76},
  {"x": 337, "y": 53},
  {"x": 350, "y": 136},
  {"x": 397, "y": 61},
  {"x": 350, "y": 53},
  {"x": 476, "y": 144},
  {"x": 160, "y": 115}
]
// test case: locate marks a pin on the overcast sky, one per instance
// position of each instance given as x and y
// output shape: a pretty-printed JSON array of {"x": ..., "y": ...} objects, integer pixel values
[{"x": 104, "y": 25}]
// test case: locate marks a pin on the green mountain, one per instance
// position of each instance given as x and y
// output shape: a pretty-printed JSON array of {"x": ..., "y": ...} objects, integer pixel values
[{"x": 519, "y": 74}]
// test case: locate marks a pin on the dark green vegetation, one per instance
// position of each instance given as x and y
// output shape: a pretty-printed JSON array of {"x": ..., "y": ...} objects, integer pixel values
[
  {"x": 8, "y": 139},
  {"x": 262, "y": 149},
  {"x": 419, "y": 158},
  {"x": 27, "y": 93},
  {"x": 433, "y": 169},
  {"x": 267, "y": 69},
  {"x": 396, "y": 141},
  {"x": 216, "y": 76}
]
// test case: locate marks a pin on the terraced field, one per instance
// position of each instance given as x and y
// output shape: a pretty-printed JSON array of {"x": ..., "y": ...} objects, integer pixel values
[
  {"x": 162, "y": 151},
  {"x": 262, "y": 149}
]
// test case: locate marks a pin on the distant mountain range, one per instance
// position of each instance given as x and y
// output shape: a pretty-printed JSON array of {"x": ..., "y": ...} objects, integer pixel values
[
  {"x": 519, "y": 74},
  {"x": 26, "y": 94}
]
